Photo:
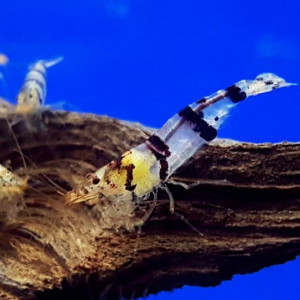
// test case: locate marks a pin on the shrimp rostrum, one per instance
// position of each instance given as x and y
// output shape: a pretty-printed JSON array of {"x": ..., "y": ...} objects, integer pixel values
[{"x": 131, "y": 178}]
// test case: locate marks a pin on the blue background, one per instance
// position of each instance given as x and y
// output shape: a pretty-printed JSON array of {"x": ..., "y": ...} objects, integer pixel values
[{"x": 144, "y": 60}]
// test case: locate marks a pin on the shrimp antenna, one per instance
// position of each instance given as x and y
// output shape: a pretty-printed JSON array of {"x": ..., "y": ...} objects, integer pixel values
[{"x": 60, "y": 190}]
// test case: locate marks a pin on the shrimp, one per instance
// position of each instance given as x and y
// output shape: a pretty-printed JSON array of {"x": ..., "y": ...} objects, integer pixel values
[
  {"x": 33, "y": 92},
  {"x": 124, "y": 182}
]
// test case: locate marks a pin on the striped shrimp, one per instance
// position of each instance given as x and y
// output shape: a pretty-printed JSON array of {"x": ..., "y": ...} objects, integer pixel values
[
  {"x": 33, "y": 92},
  {"x": 31, "y": 98},
  {"x": 122, "y": 183}
]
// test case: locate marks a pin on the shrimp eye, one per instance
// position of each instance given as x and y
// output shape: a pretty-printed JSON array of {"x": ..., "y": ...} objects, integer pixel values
[
  {"x": 93, "y": 178},
  {"x": 96, "y": 180}
]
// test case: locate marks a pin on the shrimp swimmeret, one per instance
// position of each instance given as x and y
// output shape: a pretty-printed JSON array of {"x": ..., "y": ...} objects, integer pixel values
[{"x": 147, "y": 167}]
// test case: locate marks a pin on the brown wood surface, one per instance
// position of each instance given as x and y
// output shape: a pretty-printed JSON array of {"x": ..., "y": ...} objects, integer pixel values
[{"x": 246, "y": 204}]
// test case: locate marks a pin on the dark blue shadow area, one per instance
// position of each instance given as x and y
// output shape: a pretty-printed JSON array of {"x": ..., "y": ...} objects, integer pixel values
[{"x": 144, "y": 60}]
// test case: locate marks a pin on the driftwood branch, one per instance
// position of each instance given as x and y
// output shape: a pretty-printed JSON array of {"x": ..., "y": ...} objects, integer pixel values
[{"x": 246, "y": 203}]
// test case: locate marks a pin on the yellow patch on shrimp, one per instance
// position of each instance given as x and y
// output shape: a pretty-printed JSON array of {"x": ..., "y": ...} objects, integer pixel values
[
  {"x": 134, "y": 174},
  {"x": 131, "y": 173}
]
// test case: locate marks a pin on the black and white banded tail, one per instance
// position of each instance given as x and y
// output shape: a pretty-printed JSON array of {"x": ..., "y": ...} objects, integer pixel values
[{"x": 197, "y": 124}]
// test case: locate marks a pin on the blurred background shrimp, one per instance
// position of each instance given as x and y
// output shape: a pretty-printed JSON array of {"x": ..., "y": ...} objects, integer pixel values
[{"x": 33, "y": 91}]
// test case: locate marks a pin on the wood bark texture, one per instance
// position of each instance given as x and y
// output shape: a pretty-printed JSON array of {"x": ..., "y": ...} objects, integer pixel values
[{"x": 246, "y": 204}]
